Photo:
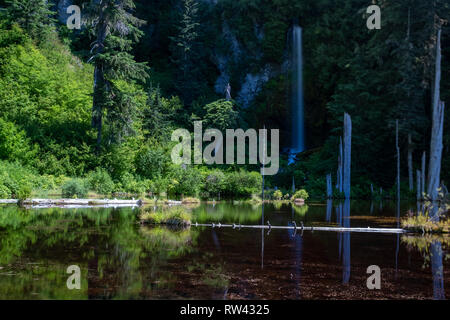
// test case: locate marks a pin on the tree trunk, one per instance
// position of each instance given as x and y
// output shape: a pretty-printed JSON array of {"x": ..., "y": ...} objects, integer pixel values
[
  {"x": 410, "y": 163},
  {"x": 347, "y": 154},
  {"x": 398, "y": 159},
  {"x": 418, "y": 192},
  {"x": 99, "y": 82},
  {"x": 341, "y": 166},
  {"x": 337, "y": 176},
  {"x": 97, "y": 112},
  {"x": 422, "y": 181},
  {"x": 329, "y": 187},
  {"x": 434, "y": 168}
]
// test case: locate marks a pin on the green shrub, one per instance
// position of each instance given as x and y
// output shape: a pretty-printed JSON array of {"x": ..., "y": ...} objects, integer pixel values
[
  {"x": 220, "y": 114},
  {"x": 300, "y": 194},
  {"x": 242, "y": 184},
  {"x": 14, "y": 144},
  {"x": 5, "y": 193},
  {"x": 49, "y": 182},
  {"x": 151, "y": 163},
  {"x": 172, "y": 216},
  {"x": 130, "y": 184},
  {"x": 74, "y": 188},
  {"x": 187, "y": 182},
  {"x": 17, "y": 179},
  {"x": 100, "y": 181},
  {"x": 278, "y": 195},
  {"x": 189, "y": 200},
  {"x": 24, "y": 191},
  {"x": 214, "y": 183}
]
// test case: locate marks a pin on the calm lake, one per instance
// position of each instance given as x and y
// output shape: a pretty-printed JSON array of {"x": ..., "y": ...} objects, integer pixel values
[{"x": 121, "y": 259}]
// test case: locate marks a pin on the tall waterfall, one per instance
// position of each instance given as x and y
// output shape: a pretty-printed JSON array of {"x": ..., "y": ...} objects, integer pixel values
[{"x": 298, "y": 130}]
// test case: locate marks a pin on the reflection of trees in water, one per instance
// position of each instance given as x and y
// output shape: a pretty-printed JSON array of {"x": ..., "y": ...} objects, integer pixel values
[
  {"x": 35, "y": 231},
  {"x": 431, "y": 247},
  {"x": 26, "y": 279},
  {"x": 117, "y": 251},
  {"x": 437, "y": 270},
  {"x": 329, "y": 210},
  {"x": 33, "y": 243},
  {"x": 300, "y": 210},
  {"x": 343, "y": 220},
  {"x": 139, "y": 257},
  {"x": 227, "y": 213},
  {"x": 122, "y": 258}
]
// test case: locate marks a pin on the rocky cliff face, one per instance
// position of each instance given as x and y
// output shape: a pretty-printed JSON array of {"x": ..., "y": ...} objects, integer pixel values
[
  {"x": 62, "y": 10},
  {"x": 251, "y": 82},
  {"x": 223, "y": 60}
]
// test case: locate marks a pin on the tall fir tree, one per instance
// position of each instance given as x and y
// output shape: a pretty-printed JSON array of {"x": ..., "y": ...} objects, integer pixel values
[
  {"x": 115, "y": 29},
  {"x": 34, "y": 16},
  {"x": 184, "y": 52}
]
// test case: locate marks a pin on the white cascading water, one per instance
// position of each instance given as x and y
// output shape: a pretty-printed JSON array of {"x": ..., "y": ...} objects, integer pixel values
[{"x": 298, "y": 130}]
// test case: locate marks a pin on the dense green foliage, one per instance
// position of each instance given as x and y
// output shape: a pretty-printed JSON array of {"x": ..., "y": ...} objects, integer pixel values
[
  {"x": 74, "y": 188},
  {"x": 301, "y": 194},
  {"x": 15, "y": 182},
  {"x": 278, "y": 195},
  {"x": 155, "y": 65}
]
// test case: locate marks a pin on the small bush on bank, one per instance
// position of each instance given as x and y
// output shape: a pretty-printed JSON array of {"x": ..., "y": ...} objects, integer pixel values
[
  {"x": 173, "y": 216},
  {"x": 300, "y": 194},
  {"x": 277, "y": 195},
  {"x": 255, "y": 199},
  {"x": 191, "y": 200},
  {"x": 129, "y": 184},
  {"x": 74, "y": 188},
  {"x": 214, "y": 183},
  {"x": 100, "y": 181},
  {"x": 423, "y": 223}
]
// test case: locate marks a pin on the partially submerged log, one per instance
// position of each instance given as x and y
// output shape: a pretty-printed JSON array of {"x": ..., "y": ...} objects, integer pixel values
[
  {"x": 173, "y": 202},
  {"x": 80, "y": 202},
  {"x": 301, "y": 228},
  {"x": 9, "y": 201}
]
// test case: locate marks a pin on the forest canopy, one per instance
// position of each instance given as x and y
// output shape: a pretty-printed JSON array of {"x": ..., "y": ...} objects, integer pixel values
[{"x": 100, "y": 103}]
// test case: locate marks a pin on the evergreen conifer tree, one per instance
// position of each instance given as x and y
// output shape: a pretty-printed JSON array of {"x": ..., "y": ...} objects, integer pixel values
[{"x": 115, "y": 29}]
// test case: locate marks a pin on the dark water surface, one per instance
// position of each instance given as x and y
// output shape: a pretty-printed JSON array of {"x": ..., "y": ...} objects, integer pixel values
[{"x": 121, "y": 259}]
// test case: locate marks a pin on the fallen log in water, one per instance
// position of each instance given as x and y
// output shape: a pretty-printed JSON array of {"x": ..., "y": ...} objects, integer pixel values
[
  {"x": 9, "y": 201},
  {"x": 300, "y": 228},
  {"x": 173, "y": 202},
  {"x": 80, "y": 202}
]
